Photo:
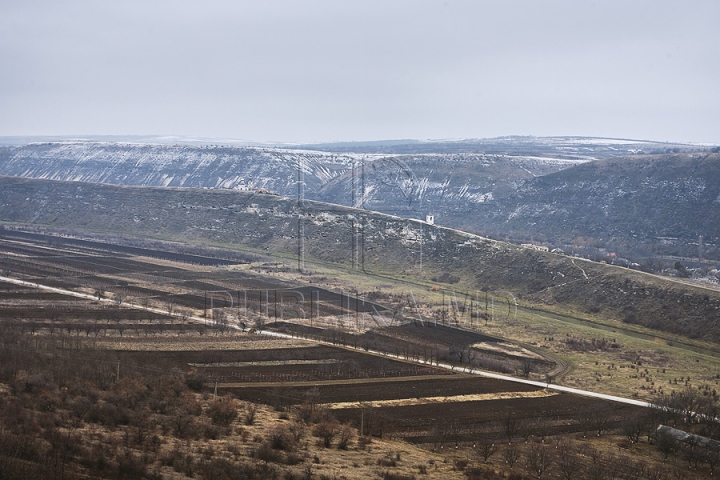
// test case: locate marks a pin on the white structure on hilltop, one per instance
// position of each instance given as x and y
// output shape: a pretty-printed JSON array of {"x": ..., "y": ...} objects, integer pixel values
[
  {"x": 430, "y": 219},
  {"x": 243, "y": 187}
]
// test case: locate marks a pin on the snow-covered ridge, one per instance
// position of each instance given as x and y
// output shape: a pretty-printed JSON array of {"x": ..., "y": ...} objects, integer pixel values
[{"x": 209, "y": 166}]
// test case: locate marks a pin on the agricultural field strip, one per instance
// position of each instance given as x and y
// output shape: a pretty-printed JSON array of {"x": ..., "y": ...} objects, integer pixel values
[
  {"x": 474, "y": 371},
  {"x": 267, "y": 363},
  {"x": 477, "y": 397},
  {"x": 334, "y": 383},
  {"x": 172, "y": 344},
  {"x": 50, "y": 251}
]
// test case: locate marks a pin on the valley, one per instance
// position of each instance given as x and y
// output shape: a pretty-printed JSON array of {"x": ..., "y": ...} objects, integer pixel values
[{"x": 174, "y": 332}]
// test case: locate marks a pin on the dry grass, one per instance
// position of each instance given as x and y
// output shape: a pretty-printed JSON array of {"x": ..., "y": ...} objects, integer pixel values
[
  {"x": 617, "y": 371},
  {"x": 478, "y": 397}
]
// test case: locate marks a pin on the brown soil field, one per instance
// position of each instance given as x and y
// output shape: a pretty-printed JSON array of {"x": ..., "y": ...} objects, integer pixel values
[
  {"x": 548, "y": 415},
  {"x": 195, "y": 288},
  {"x": 214, "y": 364},
  {"x": 367, "y": 390}
]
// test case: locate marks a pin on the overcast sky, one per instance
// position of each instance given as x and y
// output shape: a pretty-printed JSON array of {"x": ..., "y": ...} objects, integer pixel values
[{"x": 308, "y": 71}]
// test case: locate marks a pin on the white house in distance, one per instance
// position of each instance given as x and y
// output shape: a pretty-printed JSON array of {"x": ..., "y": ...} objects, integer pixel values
[{"x": 430, "y": 219}]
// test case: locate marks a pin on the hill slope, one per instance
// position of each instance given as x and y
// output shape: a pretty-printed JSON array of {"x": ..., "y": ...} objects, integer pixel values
[
  {"x": 644, "y": 205},
  {"x": 368, "y": 242},
  {"x": 511, "y": 187}
]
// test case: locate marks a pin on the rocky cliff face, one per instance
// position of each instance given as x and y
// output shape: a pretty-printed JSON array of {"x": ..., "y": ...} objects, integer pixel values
[
  {"x": 409, "y": 185},
  {"x": 173, "y": 165}
]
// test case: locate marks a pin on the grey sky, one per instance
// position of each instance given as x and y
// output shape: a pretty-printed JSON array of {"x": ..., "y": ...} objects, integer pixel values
[{"x": 305, "y": 71}]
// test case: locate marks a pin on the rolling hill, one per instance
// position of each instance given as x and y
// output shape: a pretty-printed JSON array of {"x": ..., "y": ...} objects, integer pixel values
[
  {"x": 549, "y": 190},
  {"x": 367, "y": 242}
]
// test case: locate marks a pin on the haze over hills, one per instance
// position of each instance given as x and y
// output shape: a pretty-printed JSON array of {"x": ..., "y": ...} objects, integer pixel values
[{"x": 659, "y": 202}]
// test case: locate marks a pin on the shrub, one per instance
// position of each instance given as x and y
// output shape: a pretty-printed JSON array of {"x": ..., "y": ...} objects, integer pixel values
[
  {"x": 266, "y": 453},
  {"x": 108, "y": 414},
  {"x": 327, "y": 431},
  {"x": 250, "y": 414},
  {"x": 223, "y": 411},
  {"x": 280, "y": 438},
  {"x": 345, "y": 435},
  {"x": 195, "y": 383}
]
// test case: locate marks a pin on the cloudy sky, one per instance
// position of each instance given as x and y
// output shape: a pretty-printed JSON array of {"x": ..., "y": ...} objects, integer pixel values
[{"x": 308, "y": 71}]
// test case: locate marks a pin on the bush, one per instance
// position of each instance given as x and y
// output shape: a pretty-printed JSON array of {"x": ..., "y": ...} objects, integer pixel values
[
  {"x": 280, "y": 438},
  {"x": 108, "y": 414},
  {"x": 387, "y": 462},
  {"x": 179, "y": 461},
  {"x": 223, "y": 411},
  {"x": 195, "y": 383},
  {"x": 266, "y": 453},
  {"x": 345, "y": 435},
  {"x": 327, "y": 431}
]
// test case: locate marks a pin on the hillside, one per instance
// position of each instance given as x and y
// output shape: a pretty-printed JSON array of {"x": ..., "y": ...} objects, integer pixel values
[
  {"x": 518, "y": 188},
  {"x": 644, "y": 206},
  {"x": 407, "y": 185},
  {"x": 367, "y": 242}
]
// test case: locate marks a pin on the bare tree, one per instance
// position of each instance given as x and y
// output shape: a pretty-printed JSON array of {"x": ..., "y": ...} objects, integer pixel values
[
  {"x": 597, "y": 470},
  {"x": 543, "y": 426},
  {"x": 458, "y": 351},
  {"x": 345, "y": 435},
  {"x": 537, "y": 460},
  {"x": 712, "y": 458},
  {"x": 632, "y": 428},
  {"x": 511, "y": 425},
  {"x": 327, "y": 431},
  {"x": 511, "y": 454},
  {"x": 568, "y": 461},
  {"x": 486, "y": 449},
  {"x": 170, "y": 304},
  {"x": 526, "y": 367},
  {"x": 665, "y": 443},
  {"x": 599, "y": 416}
]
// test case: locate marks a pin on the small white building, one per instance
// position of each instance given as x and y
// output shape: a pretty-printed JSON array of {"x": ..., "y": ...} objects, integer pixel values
[
  {"x": 243, "y": 187},
  {"x": 430, "y": 219}
]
